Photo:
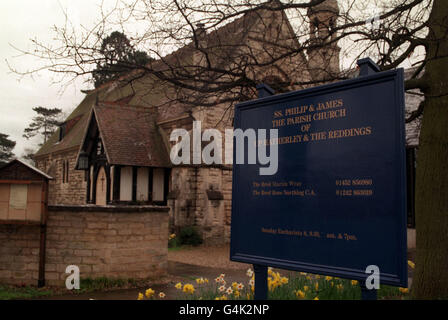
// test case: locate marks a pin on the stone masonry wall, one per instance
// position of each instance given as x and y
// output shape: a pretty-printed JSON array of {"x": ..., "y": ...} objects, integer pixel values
[
  {"x": 19, "y": 254},
  {"x": 71, "y": 192},
  {"x": 113, "y": 242}
]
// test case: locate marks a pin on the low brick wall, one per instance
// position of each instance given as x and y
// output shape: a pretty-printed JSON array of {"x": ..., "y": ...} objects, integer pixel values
[{"x": 110, "y": 241}]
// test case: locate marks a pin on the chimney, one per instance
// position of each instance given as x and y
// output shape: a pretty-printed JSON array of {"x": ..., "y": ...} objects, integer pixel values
[{"x": 200, "y": 30}]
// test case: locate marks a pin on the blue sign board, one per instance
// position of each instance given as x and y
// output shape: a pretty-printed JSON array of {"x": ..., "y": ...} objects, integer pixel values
[{"x": 337, "y": 201}]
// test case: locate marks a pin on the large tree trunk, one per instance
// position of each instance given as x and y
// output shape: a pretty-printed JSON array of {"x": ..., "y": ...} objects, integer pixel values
[{"x": 431, "y": 273}]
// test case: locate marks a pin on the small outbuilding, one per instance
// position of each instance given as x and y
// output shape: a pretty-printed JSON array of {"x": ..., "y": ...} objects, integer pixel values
[{"x": 23, "y": 201}]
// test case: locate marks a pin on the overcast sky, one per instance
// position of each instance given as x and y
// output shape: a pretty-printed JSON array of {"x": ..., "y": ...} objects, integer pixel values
[{"x": 21, "y": 20}]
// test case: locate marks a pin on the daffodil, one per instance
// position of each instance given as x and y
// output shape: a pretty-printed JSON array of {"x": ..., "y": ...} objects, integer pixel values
[
  {"x": 284, "y": 280},
  {"x": 403, "y": 290},
  {"x": 249, "y": 272},
  {"x": 222, "y": 288},
  {"x": 162, "y": 295},
  {"x": 234, "y": 285},
  {"x": 178, "y": 286},
  {"x": 317, "y": 298},
  {"x": 140, "y": 296},
  {"x": 316, "y": 286},
  {"x": 339, "y": 286},
  {"x": 149, "y": 293},
  {"x": 229, "y": 290},
  {"x": 328, "y": 278},
  {"x": 188, "y": 288},
  {"x": 411, "y": 264},
  {"x": 306, "y": 288},
  {"x": 300, "y": 294},
  {"x": 240, "y": 286},
  {"x": 354, "y": 282}
]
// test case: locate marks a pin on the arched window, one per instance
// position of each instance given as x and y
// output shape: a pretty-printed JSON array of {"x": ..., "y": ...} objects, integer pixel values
[
  {"x": 63, "y": 171},
  {"x": 67, "y": 167}
]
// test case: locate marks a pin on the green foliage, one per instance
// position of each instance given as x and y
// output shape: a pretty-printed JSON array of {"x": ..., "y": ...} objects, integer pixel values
[
  {"x": 119, "y": 56},
  {"x": 174, "y": 243},
  {"x": 28, "y": 292},
  {"x": 103, "y": 283},
  {"x": 6, "y": 147},
  {"x": 296, "y": 287},
  {"x": 45, "y": 122},
  {"x": 189, "y": 236}
]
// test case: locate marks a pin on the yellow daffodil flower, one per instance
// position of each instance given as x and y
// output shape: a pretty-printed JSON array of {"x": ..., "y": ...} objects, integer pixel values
[
  {"x": 300, "y": 294},
  {"x": 403, "y": 290},
  {"x": 188, "y": 288},
  {"x": 149, "y": 293}
]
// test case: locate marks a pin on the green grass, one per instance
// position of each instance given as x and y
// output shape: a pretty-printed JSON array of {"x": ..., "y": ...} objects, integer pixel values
[
  {"x": 11, "y": 292},
  {"x": 177, "y": 248},
  {"x": 103, "y": 283}
]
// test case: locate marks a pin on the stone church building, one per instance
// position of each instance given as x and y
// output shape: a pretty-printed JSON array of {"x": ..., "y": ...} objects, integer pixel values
[{"x": 114, "y": 147}]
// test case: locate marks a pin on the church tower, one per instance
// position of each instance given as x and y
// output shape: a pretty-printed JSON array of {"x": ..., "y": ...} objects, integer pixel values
[{"x": 323, "y": 60}]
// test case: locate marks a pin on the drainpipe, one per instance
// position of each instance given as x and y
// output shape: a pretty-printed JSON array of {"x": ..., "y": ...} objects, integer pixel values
[{"x": 43, "y": 235}]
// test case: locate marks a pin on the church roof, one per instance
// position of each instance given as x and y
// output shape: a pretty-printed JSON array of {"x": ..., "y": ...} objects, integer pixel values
[
  {"x": 234, "y": 33},
  {"x": 130, "y": 135}
]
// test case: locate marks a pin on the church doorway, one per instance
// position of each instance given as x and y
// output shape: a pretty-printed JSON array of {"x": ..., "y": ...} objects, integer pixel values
[{"x": 101, "y": 186}]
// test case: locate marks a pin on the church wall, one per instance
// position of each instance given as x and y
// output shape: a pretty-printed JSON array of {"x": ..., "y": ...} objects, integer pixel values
[{"x": 70, "y": 192}]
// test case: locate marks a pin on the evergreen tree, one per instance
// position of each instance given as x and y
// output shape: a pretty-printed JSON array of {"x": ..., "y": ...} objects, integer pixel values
[
  {"x": 6, "y": 146},
  {"x": 119, "y": 57},
  {"x": 45, "y": 122}
]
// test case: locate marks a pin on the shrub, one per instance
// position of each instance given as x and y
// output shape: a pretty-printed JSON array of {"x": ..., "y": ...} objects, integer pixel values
[
  {"x": 189, "y": 236},
  {"x": 174, "y": 243}
]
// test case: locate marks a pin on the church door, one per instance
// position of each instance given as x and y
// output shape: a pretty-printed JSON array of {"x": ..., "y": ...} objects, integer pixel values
[{"x": 101, "y": 183}]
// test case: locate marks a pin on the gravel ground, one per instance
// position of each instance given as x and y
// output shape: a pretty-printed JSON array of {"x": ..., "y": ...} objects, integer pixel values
[{"x": 214, "y": 257}]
